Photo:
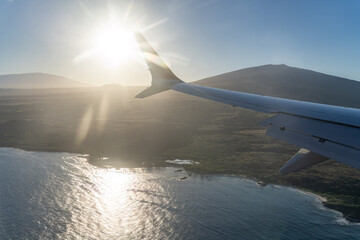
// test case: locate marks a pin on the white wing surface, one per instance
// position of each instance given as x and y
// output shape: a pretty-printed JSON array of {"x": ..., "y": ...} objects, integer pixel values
[{"x": 321, "y": 131}]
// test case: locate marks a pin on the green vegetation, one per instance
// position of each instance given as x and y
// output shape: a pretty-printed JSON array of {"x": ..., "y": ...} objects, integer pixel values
[{"x": 109, "y": 122}]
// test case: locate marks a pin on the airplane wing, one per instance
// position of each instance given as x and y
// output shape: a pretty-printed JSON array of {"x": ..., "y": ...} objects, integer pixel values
[{"x": 321, "y": 131}]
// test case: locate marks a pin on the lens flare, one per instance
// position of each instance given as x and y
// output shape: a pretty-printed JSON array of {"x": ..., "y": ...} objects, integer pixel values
[{"x": 115, "y": 44}]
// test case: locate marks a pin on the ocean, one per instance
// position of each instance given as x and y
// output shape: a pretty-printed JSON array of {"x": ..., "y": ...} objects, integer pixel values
[{"x": 61, "y": 196}]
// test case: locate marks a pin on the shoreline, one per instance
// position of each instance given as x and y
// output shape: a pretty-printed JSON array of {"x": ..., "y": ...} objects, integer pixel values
[
  {"x": 322, "y": 200},
  {"x": 263, "y": 183}
]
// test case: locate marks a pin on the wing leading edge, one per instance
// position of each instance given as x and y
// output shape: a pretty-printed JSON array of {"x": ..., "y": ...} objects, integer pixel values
[{"x": 321, "y": 131}]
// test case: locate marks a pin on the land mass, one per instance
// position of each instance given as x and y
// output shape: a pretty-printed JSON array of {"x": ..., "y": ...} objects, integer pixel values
[
  {"x": 110, "y": 122},
  {"x": 37, "y": 81}
]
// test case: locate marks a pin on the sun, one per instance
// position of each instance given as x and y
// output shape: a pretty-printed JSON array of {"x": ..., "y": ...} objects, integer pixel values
[
  {"x": 112, "y": 44},
  {"x": 115, "y": 44},
  {"x": 105, "y": 48}
]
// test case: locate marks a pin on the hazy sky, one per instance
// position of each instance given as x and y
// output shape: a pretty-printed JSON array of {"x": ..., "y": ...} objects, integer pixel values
[{"x": 198, "y": 38}]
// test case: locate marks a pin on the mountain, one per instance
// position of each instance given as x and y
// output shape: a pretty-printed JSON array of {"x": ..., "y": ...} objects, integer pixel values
[
  {"x": 37, "y": 81},
  {"x": 289, "y": 82}
]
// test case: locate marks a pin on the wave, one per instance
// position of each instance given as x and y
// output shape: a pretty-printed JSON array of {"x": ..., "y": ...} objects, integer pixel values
[{"x": 182, "y": 162}]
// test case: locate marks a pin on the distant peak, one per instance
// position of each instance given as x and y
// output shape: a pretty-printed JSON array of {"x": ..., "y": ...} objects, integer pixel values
[
  {"x": 27, "y": 74},
  {"x": 37, "y": 80},
  {"x": 265, "y": 67},
  {"x": 273, "y": 65},
  {"x": 281, "y": 65}
]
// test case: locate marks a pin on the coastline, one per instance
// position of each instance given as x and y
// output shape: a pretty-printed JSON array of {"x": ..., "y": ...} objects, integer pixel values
[
  {"x": 320, "y": 198},
  {"x": 108, "y": 163},
  {"x": 324, "y": 199},
  {"x": 206, "y": 203},
  {"x": 342, "y": 218}
]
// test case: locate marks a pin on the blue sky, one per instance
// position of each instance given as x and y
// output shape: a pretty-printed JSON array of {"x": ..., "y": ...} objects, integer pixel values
[{"x": 198, "y": 38}]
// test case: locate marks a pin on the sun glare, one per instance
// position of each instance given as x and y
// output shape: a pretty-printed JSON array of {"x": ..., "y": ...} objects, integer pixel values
[
  {"x": 109, "y": 50},
  {"x": 115, "y": 44}
]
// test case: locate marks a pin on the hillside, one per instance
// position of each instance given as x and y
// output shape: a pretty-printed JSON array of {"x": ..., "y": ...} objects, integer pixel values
[
  {"x": 289, "y": 82},
  {"x": 37, "y": 81}
]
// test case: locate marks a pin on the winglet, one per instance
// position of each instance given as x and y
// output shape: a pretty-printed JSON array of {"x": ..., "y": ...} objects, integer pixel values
[{"x": 162, "y": 77}]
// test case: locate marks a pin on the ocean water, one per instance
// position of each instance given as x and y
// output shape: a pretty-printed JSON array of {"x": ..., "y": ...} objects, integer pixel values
[{"x": 61, "y": 196}]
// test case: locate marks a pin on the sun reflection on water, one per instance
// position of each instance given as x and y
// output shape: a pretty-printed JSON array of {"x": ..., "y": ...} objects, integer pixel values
[
  {"x": 113, "y": 198},
  {"x": 116, "y": 203},
  {"x": 100, "y": 201}
]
